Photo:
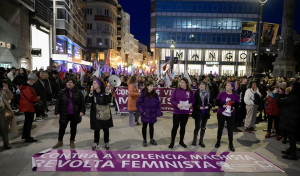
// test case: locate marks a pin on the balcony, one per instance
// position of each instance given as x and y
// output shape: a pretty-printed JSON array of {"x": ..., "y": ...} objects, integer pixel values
[{"x": 103, "y": 18}]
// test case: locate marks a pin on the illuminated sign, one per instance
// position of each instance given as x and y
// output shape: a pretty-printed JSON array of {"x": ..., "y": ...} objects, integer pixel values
[
  {"x": 60, "y": 46},
  {"x": 69, "y": 50},
  {"x": 212, "y": 63}
]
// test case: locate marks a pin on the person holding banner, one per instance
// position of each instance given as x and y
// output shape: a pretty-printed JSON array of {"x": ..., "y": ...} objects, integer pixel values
[
  {"x": 182, "y": 99},
  {"x": 227, "y": 102},
  {"x": 201, "y": 111},
  {"x": 98, "y": 96},
  {"x": 69, "y": 107},
  {"x": 133, "y": 94},
  {"x": 148, "y": 105}
]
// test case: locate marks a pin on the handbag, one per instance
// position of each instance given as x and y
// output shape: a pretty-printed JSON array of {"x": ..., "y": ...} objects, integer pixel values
[
  {"x": 8, "y": 114},
  {"x": 38, "y": 106},
  {"x": 102, "y": 111}
]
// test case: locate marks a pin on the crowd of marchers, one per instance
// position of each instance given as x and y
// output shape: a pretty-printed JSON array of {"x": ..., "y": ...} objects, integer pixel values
[{"x": 238, "y": 101}]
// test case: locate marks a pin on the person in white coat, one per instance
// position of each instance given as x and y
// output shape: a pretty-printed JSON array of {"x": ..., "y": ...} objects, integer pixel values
[{"x": 252, "y": 100}]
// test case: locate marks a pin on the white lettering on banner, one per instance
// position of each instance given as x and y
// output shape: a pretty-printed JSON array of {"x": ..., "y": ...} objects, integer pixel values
[
  {"x": 60, "y": 164},
  {"x": 122, "y": 100},
  {"x": 73, "y": 163},
  {"x": 108, "y": 164},
  {"x": 50, "y": 163},
  {"x": 168, "y": 92},
  {"x": 108, "y": 156}
]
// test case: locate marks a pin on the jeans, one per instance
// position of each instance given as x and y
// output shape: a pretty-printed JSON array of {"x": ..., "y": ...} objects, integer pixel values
[
  {"x": 200, "y": 123},
  {"x": 131, "y": 114},
  {"x": 63, "y": 125}
]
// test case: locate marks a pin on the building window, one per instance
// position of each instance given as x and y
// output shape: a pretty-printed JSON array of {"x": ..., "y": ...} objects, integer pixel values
[
  {"x": 89, "y": 11},
  {"x": 61, "y": 13},
  {"x": 89, "y": 41},
  {"x": 99, "y": 11},
  {"x": 106, "y": 12},
  {"x": 89, "y": 26},
  {"x": 99, "y": 42},
  {"x": 99, "y": 26},
  {"x": 106, "y": 42}
]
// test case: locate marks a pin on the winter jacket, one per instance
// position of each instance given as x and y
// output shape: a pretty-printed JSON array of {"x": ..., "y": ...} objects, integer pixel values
[
  {"x": 181, "y": 95},
  {"x": 102, "y": 99},
  {"x": 289, "y": 115},
  {"x": 149, "y": 108},
  {"x": 20, "y": 80},
  {"x": 197, "y": 113},
  {"x": 6, "y": 97},
  {"x": 28, "y": 97},
  {"x": 249, "y": 96},
  {"x": 133, "y": 94},
  {"x": 61, "y": 105},
  {"x": 41, "y": 91},
  {"x": 272, "y": 108}
]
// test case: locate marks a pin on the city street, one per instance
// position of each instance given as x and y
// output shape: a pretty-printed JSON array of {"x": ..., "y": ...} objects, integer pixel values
[{"x": 17, "y": 161}]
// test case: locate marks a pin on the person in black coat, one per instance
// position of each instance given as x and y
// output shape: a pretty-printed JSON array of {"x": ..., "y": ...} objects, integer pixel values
[
  {"x": 289, "y": 118},
  {"x": 98, "y": 91},
  {"x": 40, "y": 89},
  {"x": 201, "y": 112},
  {"x": 69, "y": 107}
]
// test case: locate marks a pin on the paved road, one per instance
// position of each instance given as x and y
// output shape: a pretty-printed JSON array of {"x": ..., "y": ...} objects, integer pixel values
[{"x": 18, "y": 160}]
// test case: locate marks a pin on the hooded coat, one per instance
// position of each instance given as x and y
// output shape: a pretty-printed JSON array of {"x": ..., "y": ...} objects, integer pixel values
[{"x": 149, "y": 107}]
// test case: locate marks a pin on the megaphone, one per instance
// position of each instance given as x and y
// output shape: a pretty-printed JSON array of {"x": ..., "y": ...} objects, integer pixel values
[
  {"x": 227, "y": 111},
  {"x": 114, "y": 81}
]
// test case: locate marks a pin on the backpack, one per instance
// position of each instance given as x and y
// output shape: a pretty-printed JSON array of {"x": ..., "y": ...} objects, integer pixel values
[
  {"x": 102, "y": 111},
  {"x": 257, "y": 99}
]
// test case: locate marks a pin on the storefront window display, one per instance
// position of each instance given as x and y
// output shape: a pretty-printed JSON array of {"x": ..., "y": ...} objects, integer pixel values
[
  {"x": 242, "y": 70},
  {"x": 227, "y": 70},
  {"x": 194, "y": 55},
  {"x": 211, "y": 69}
]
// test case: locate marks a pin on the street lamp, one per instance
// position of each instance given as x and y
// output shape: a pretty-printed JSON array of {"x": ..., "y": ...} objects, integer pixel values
[
  {"x": 258, "y": 65},
  {"x": 172, "y": 47}
]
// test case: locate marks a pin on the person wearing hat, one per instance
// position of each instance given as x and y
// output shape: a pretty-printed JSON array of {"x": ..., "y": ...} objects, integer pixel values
[
  {"x": 98, "y": 96},
  {"x": 69, "y": 107}
]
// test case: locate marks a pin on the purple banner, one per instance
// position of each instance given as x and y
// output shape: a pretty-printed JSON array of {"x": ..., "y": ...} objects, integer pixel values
[
  {"x": 163, "y": 93},
  {"x": 150, "y": 161}
]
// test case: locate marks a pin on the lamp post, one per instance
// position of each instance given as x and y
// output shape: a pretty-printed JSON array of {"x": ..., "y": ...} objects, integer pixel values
[
  {"x": 172, "y": 48},
  {"x": 258, "y": 64}
]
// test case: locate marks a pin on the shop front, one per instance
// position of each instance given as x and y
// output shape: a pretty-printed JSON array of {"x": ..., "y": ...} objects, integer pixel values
[{"x": 40, "y": 47}]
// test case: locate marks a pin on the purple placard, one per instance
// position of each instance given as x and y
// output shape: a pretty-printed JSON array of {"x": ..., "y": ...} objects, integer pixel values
[
  {"x": 150, "y": 161},
  {"x": 163, "y": 93}
]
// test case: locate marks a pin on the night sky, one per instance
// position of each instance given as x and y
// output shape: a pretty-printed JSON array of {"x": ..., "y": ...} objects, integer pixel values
[{"x": 139, "y": 11}]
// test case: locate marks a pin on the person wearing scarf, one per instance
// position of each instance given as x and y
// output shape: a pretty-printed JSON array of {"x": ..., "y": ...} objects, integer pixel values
[{"x": 201, "y": 112}]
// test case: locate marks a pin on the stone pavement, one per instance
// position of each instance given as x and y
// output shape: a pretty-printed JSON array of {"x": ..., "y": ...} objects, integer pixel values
[{"x": 17, "y": 161}]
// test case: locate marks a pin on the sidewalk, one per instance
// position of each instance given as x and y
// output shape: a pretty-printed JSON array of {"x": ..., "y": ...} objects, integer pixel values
[{"x": 122, "y": 137}]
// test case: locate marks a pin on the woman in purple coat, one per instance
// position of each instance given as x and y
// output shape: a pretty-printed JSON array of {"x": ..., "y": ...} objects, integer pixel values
[
  {"x": 182, "y": 99},
  {"x": 148, "y": 105}
]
